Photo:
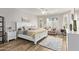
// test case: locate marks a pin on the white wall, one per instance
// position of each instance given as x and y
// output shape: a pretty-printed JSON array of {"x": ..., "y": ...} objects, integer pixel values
[{"x": 13, "y": 15}]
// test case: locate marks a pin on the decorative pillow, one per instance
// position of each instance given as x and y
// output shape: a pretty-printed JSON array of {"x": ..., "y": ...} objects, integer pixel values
[
  {"x": 26, "y": 28},
  {"x": 25, "y": 32},
  {"x": 20, "y": 32},
  {"x": 30, "y": 29},
  {"x": 23, "y": 28},
  {"x": 19, "y": 29}
]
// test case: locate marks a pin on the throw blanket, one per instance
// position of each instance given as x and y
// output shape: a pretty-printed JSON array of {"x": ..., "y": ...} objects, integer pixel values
[{"x": 34, "y": 32}]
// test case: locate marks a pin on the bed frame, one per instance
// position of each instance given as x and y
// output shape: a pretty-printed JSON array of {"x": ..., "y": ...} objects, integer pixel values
[{"x": 37, "y": 36}]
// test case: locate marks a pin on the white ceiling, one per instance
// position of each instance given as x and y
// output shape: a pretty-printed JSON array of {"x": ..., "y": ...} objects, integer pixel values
[{"x": 37, "y": 11}]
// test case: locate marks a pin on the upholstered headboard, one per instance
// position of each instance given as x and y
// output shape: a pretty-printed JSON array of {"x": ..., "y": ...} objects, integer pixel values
[{"x": 21, "y": 24}]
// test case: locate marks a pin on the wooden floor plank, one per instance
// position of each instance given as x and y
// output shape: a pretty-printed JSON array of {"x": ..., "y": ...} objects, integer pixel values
[{"x": 25, "y": 45}]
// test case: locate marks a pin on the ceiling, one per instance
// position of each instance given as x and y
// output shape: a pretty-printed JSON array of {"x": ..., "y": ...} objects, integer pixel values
[{"x": 37, "y": 11}]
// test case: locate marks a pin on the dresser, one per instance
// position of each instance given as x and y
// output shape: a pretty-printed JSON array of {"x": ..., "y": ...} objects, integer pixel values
[
  {"x": 73, "y": 41},
  {"x": 11, "y": 35}
]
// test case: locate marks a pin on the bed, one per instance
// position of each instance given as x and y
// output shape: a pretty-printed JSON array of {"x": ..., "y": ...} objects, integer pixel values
[{"x": 31, "y": 34}]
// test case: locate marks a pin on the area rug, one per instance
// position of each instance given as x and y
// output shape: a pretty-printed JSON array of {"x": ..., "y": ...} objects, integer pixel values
[{"x": 52, "y": 43}]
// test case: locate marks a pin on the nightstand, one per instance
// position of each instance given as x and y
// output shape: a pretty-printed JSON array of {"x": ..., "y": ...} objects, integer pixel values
[{"x": 11, "y": 35}]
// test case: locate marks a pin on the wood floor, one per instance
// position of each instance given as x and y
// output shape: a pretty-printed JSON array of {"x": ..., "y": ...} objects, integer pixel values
[{"x": 24, "y": 45}]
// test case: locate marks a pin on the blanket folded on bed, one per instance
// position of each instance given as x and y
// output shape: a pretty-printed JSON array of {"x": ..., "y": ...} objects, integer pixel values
[{"x": 34, "y": 32}]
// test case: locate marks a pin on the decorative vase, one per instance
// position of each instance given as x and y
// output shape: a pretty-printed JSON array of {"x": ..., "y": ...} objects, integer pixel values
[
  {"x": 74, "y": 25},
  {"x": 70, "y": 27}
]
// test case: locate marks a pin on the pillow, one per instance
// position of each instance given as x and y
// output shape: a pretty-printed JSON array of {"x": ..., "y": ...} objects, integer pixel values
[
  {"x": 19, "y": 29},
  {"x": 23, "y": 28},
  {"x": 20, "y": 32},
  {"x": 25, "y": 32},
  {"x": 26, "y": 28}
]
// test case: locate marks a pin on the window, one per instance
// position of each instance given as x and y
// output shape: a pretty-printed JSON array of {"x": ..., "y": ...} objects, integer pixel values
[{"x": 52, "y": 22}]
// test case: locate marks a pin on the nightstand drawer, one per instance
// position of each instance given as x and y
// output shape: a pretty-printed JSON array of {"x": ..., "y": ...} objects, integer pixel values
[
  {"x": 0, "y": 38},
  {"x": 11, "y": 35}
]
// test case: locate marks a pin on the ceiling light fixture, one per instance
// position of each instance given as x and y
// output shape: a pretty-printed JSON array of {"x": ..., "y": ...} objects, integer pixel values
[{"x": 43, "y": 11}]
